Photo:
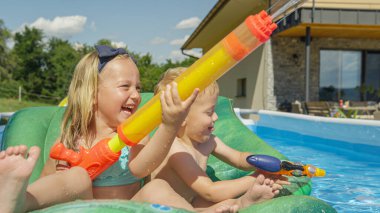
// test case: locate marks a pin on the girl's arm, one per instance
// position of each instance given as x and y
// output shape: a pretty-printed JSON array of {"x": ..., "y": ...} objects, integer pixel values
[
  {"x": 231, "y": 156},
  {"x": 194, "y": 177},
  {"x": 51, "y": 166},
  {"x": 146, "y": 157}
]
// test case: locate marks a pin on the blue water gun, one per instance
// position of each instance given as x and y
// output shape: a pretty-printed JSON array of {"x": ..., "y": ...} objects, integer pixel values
[{"x": 274, "y": 165}]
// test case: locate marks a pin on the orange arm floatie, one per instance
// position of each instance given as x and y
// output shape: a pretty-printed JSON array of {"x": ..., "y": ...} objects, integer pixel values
[{"x": 95, "y": 160}]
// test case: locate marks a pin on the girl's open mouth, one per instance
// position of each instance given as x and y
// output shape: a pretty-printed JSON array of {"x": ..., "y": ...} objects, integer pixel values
[{"x": 128, "y": 109}]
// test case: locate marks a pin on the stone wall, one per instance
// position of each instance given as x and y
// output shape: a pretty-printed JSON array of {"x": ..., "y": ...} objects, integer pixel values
[{"x": 285, "y": 66}]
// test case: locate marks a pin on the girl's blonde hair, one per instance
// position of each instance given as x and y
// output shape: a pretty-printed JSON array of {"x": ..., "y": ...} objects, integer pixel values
[
  {"x": 171, "y": 74},
  {"x": 81, "y": 101}
]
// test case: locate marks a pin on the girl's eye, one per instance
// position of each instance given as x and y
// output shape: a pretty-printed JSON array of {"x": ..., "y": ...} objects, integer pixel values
[{"x": 138, "y": 89}]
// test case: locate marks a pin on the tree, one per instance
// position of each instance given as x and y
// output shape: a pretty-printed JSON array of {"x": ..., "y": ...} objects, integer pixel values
[
  {"x": 84, "y": 50},
  {"x": 31, "y": 60},
  {"x": 7, "y": 63},
  {"x": 149, "y": 72},
  {"x": 104, "y": 42},
  {"x": 187, "y": 62},
  {"x": 61, "y": 61}
]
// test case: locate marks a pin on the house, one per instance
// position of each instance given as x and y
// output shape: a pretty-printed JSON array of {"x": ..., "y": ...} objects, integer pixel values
[{"x": 324, "y": 50}]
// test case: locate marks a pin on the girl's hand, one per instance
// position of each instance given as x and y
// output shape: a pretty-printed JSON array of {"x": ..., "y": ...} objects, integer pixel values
[{"x": 174, "y": 110}]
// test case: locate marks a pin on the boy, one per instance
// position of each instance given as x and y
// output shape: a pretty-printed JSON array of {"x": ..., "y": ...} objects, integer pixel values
[{"x": 182, "y": 174}]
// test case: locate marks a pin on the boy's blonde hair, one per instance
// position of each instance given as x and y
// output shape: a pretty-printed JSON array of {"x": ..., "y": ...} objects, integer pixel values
[
  {"x": 171, "y": 74},
  {"x": 81, "y": 100}
]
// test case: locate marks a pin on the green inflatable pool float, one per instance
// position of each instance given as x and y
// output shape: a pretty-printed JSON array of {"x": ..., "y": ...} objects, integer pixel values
[{"x": 40, "y": 126}]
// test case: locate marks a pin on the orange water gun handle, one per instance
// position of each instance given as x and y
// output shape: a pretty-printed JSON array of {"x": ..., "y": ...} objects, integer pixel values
[
  {"x": 298, "y": 169},
  {"x": 95, "y": 160},
  {"x": 292, "y": 173},
  {"x": 60, "y": 152},
  {"x": 307, "y": 170}
]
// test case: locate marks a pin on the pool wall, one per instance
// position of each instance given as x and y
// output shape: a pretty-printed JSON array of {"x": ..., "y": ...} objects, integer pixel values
[{"x": 353, "y": 131}]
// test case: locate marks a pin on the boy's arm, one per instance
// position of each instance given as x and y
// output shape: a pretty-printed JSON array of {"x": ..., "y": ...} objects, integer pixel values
[
  {"x": 231, "y": 156},
  {"x": 238, "y": 160},
  {"x": 194, "y": 177}
]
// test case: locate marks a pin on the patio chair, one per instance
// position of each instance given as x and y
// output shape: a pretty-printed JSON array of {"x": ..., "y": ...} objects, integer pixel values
[
  {"x": 358, "y": 103},
  {"x": 297, "y": 107},
  {"x": 376, "y": 115},
  {"x": 365, "y": 109},
  {"x": 318, "y": 108}
]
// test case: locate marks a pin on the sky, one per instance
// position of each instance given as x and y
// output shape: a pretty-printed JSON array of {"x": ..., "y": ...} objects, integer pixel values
[{"x": 159, "y": 27}]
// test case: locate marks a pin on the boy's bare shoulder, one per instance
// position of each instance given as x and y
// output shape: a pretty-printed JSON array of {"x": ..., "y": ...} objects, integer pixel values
[{"x": 177, "y": 146}]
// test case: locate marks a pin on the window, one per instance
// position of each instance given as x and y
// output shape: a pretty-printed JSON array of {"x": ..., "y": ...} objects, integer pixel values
[
  {"x": 241, "y": 87},
  {"x": 370, "y": 89},
  {"x": 349, "y": 75}
]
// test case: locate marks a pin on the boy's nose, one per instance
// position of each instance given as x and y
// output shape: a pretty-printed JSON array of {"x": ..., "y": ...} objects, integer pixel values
[{"x": 214, "y": 117}]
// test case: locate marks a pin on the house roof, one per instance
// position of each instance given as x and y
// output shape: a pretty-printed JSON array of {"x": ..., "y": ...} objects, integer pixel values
[
  {"x": 228, "y": 14},
  {"x": 222, "y": 19},
  {"x": 333, "y": 23}
]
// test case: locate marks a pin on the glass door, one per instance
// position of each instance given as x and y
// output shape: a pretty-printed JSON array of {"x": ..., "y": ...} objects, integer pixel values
[{"x": 340, "y": 75}]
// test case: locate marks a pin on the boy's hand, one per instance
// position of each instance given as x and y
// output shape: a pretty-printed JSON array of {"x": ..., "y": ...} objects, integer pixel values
[
  {"x": 278, "y": 179},
  {"x": 174, "y": 110}
]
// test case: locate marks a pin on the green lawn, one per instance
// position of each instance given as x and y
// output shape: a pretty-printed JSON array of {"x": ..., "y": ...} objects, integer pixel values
[{"x": 12, "y": 105}]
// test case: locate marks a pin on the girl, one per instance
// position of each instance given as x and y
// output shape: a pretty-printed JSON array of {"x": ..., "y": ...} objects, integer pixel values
[{"x": 105, "y": 90}]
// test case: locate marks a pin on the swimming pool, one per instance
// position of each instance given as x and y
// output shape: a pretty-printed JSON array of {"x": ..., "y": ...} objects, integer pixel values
[
  {"x": 352, "y": 165},
  {"x": 353, "y": 169}
]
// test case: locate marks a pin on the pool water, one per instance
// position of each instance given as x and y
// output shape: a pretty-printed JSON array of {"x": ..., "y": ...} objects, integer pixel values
[{"x": 352, "y": 182}]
